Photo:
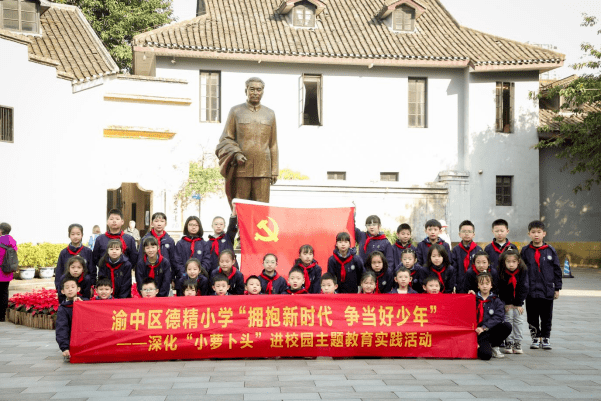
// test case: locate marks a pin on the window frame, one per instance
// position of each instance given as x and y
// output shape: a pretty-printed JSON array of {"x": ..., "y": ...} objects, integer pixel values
[
  {"x": 318, "y": 78},
  {"x": 394, "y": 175},
  {"x": 403, "y": 9},
  {"x": 424, "y": 104},
  {"x": 335, "y": 175},
  {"x": 500, "y": 186},
  {"x": 7, "y": 136},
  {"x": 500, "y": 122},
  {"x": 307, "y": 8},
  {"x": 36, "y": 14},
  {"x": 207, "y": 109}
]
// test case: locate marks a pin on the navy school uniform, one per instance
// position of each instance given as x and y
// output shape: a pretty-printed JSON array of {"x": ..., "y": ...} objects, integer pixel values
[
  {"x": 68, "y": 253},
  {"x": 130, "y": 249},
  {"x": 545, "y": 276},
  {"x": 193, "y": 247},
  {"x": 223, "y": 241},
  {"x": 513, "y": 287},
  {"x": 446, "y": 275},
  {"x": 369, "y": 244},
  {"x": 348, "y": 271},
  {"x": 236, "y": 280},
  {"x": 167, "y": 251},
  {"x": 494, "y": 251},
  {"x": 470, "y": 281},
  {"x": 312, "y": 276},
  {"x": 462, "y": 260},
  {"x": 409, "y": 291},
  {"x": 397, "y": 250},
  {"x": 418, "y": 275},
  {"x": 119, "y": 272},
  {"x": 423, "y": 246},
  {"x": 161, "y": 271},
  {"x": 385, "y": 280},
  {"x": 64, "y": 321},
  {"x": 202, "y": 283},
  {"x": 272, "y": 285},
  {"x": 85, "y": 288},
  {"x": 490, "y": 314},
  {"x": 290, "y": 291}
]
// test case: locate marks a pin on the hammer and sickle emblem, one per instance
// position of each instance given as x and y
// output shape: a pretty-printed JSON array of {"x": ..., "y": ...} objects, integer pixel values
[{"x": 271, "y": 235}]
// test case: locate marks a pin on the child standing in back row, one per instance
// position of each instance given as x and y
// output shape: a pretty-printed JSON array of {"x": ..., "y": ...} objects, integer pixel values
[
  {"x": 373, "y": 240},
  {"x": 312, "y": 270},
  {"x": 128, "y": 243},
  {"x": 500, "y": 243},
  {"x": 403, "y": 235},
  {"x": 221, "y": 239},
  {"x": 462, "y": 255},
  {"x": 345, "y": 265},
  {"x": 432, "y": 231},
  {"x": 75, "y": 248},
  {"x": 166, "y": 249}
]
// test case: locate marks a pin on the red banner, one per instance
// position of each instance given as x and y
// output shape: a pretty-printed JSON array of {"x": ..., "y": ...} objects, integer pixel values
[
  {"x": 283, "y": 230},
  {"x": 343, "y": 325}
]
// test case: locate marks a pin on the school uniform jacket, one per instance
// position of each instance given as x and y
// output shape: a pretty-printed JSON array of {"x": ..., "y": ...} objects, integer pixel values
[
  {"x": 223, "y": 241},
  {"x": 418, "y": 275},
  {"x": 544, "y": 272},
  {"x": 378, "y": 243},
  {"x": 409, "y": 291},
  {"x": 422, "y": 249},
  {"x": 353, "y": 270},
  {"x": 202, "y": 283},
  {"x": 278, "y": 283},
  {"x": 290, "y": 291},
  {"x": 397, "y": 250},
  {"x": 385, "y": 280},
  {"x": 193, "y": 247},
  {"x": 64, "y": 320},
  {"x": 489, "y": 312},
  {"x": 131, "y": 250},
  {"x": 68, "y": 253},
  {"x": 85, "y": 287},
  {"x": 312, "y": 276},
  {"x": 494, "y": 251},
  {"x": 162, "y": 274},
  {"x": 446, "y": 275},
  {"x": 462, "y": 261},
  {"x": 470, "y": 281},
  {"x": 119, "y": 273},
  {"x": 513, "y": 292},
  {"x": 167, "y": 250},
  {"x": 236, "y": 279}
]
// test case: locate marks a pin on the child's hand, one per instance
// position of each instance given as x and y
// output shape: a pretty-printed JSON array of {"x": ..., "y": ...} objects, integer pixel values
[
  {"x": 479, "y": 330},
  {"x": 556, "y": 295},
  {"x": 67, "y": 354},
  {"x": 471, "y": 292},
  {"x": 76, "y": 299},
  {"x": 520, "y": 309}
]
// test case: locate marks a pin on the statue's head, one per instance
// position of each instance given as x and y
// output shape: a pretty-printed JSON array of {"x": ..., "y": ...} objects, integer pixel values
[{"x": 254, "y": 90}]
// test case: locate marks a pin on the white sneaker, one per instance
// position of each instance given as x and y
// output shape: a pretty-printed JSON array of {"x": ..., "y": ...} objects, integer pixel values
[
  {"x": 508, "y": 349},
  {"x": 496, "y": 353}
]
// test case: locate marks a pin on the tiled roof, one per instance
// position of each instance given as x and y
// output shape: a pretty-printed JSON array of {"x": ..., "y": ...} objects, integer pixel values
[
  {"x": 560, "y": 82},
  {"x": 347, "y": 29},
  {"x": 547, "y": 117}
]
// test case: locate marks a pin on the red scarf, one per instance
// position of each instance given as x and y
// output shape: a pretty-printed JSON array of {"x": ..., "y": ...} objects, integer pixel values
[
  {"x": 512, "y": 280},
  {"x": 158, "y": 237},
  {"x": 348, "y": 259},
  {"x": 439, "y": 274},
  {"x": 466, "y": 261},
  {"x": 306, "y": 272},
  {"x": 481, "y": 303},
  {"x": 112, "y": 269},
  {"x": 152, "y": 267},
  {"x": 412, "y": 273},
  {"x": 429, "y": 244},
  {"x": 270, "y": 280},
  {"x": 76, "y": 252},
  {"x": 537, "y": 254},
  {"x": 377, "y": 237},
  {"x": 378, "y": 281},
  {"x": 231, "y": 275},
  {"x": 192, "y": 241},
  {"x": 503, "y": 249},
  {"x": 119, "y": 237},
  {"x": 215, "y": 244},
  {"x": 301, "y": 291}
]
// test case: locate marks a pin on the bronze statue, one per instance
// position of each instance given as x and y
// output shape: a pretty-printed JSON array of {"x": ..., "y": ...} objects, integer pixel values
[{"x": 248, "y": 147}]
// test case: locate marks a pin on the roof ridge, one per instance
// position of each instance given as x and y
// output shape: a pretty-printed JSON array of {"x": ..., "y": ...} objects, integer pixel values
[{"x": 175, "y": 25}]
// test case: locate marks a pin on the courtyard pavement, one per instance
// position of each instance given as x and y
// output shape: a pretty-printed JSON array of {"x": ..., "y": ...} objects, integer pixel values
[{"x": 32, "y": 368}]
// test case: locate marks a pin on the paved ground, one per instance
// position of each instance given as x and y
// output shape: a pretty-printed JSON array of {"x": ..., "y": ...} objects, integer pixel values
[{"x": 31, "y": 368}]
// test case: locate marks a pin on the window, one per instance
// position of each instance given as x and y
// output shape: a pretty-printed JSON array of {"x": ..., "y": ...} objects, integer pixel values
[
  {"x": 504, "y": 184},
  {"x": 389, "y": 176},
  {"x": 201, "y": 7},
  {"x": 303, "y": 15},
  {"x": 210, "y": 96},
  {"x": 417, "y": 102},
  {"x": 403, "y": 19},
  {"x": 6, "y": 124},
  {"x": 337, "y": 175},
  {"x": 504, "y": 99},
  {"x": 19, "y": 15},
  {"x": 311, "y": 100}
]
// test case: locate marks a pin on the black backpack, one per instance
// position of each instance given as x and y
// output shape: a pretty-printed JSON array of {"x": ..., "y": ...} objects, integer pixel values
[{"x": 10, "y": 264}]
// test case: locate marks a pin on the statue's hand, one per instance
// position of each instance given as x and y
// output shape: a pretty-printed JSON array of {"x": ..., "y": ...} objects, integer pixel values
[
  {"x": 240, "y": 158},
  {"x": 274, "y": 179}
]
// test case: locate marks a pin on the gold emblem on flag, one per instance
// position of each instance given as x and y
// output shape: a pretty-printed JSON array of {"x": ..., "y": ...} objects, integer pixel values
[{"x": 272, "y": 236}]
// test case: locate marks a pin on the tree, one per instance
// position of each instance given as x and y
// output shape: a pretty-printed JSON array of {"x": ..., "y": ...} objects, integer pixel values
[
  {"x": 578, "y": 140},
  {"x": 287, "y": 174},
  {"x": 117, "y": 21}
]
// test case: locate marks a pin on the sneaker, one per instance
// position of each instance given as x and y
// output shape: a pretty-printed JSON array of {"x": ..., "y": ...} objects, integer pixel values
[
  {"x": 533, "y": 332},
  {"x": 517, "y": 348},
  {"x": 546, "y": 343},
  {"x": 496, "y": 353},
  {"x": 503, "y": 344},
  {"x": 535, "y": 343},
  {"x": 508, "y": 349}
]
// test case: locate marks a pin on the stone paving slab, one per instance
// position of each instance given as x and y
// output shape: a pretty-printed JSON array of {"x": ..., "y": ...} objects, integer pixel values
[{"x": 31, "y": 368}]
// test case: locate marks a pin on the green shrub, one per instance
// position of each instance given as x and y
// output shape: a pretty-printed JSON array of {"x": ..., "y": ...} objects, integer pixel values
[{"x": 40, "y": 255}]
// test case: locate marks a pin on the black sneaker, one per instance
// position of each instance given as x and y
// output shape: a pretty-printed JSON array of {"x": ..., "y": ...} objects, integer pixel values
[
  {"x": 533, "y": 332},
  {"x": 535, "y": 343},
  {"x": 546, "y": 343}
]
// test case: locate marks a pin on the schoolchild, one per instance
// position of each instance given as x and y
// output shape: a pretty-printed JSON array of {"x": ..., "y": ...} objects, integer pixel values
[
  {"x": 328, "y": 283},
  {"x": 418, "y": 273},
  {"x": 128, "y": 243},
  {"x": 403, "y": 235},
  {"x": 439, "y": 265},
  {"x": 500, "y": 243},
  {"x": 513, "y": 289},
  {"x": 227, "y": 261},
  {"x": 432, "y": 285},
  {"x": 149, "y": 288},
  {"x": 154, "y": 265},
  {"x": 402, "y": 278},
  {"x": 190, "y": 288},
  {"x": 345, "y": 265},
  {"x": 166, "y": 249},
  {"x": 221, "y": 240},
  {"x": 368, "y": 282},
  {"x": 221, "y": 285},
  {"x": 75, "y": 248},
  {"x": 312, "y": 270},
  {"x": 104, "y": 289},
  {"x": 115, "y": 266},
  {"x": 377, "y": 262},
  {"x": 253, "y": 286},
  {"x": 463, "y": 253},
  {"x": 373, "y": 240},
  {"x": 271, "y": 281},
  {"x": 197, "y": 273},
  {"x": 433, "y": 228},
  {"x": 544, "y": 282},
  {"x": 492, "y": 329},
  {"x": 191, "y": 245},
  {"x": 480, "y": 265},
  {"x": 76, "y": 268},
  {"x": 296, "y": 279},
  {"x": 64, "y": 315}
]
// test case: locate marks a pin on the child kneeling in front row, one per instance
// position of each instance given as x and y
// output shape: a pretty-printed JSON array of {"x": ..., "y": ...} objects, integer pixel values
[
  {"x": 104, "y": 289},
  {"x": 64, "y": 316},
  {"x": 402, "y": 278},
  {"x": 296, "y": 280},
  {"x": 492, "y": 328},
  {"x": 328, "y": 283}
]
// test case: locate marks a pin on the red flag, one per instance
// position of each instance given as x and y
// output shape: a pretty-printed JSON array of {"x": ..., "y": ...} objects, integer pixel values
[{"x": 283, "y": 230}]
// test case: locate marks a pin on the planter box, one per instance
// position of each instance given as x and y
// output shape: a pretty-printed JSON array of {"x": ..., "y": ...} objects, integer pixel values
[
  {"x": 45, "y": 322},
  {"x": 27, "y": 273}
]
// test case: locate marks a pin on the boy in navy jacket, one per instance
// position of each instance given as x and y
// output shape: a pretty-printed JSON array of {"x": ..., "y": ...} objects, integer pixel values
[
  {"x": 373, "y": 240},
  {"x": 64, "y": 315},
  {"x": 403, "y": 235},
  {"x": 492, "y": 329},
  {"x": 310, "y": 267},
  {"x": 345, "y": 265},
  {"x": 544, "y": 281},
  {"x": 296, "y": 277},
  {"x": 500, "y": 243},
  {"x": 166, "y": 247},
  {"x": 191, "y": 245},
  {"x": 433, "y": 228},
  {"x": 115, "y": 222},
  {"x": 462, "y": 255},
  {"x": 221, "y": 240}
]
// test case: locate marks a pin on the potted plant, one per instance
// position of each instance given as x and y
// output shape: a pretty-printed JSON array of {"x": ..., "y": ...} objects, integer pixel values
[
  {"x": 34, "y": 309},
  {"x": 30, "y": 257}
]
